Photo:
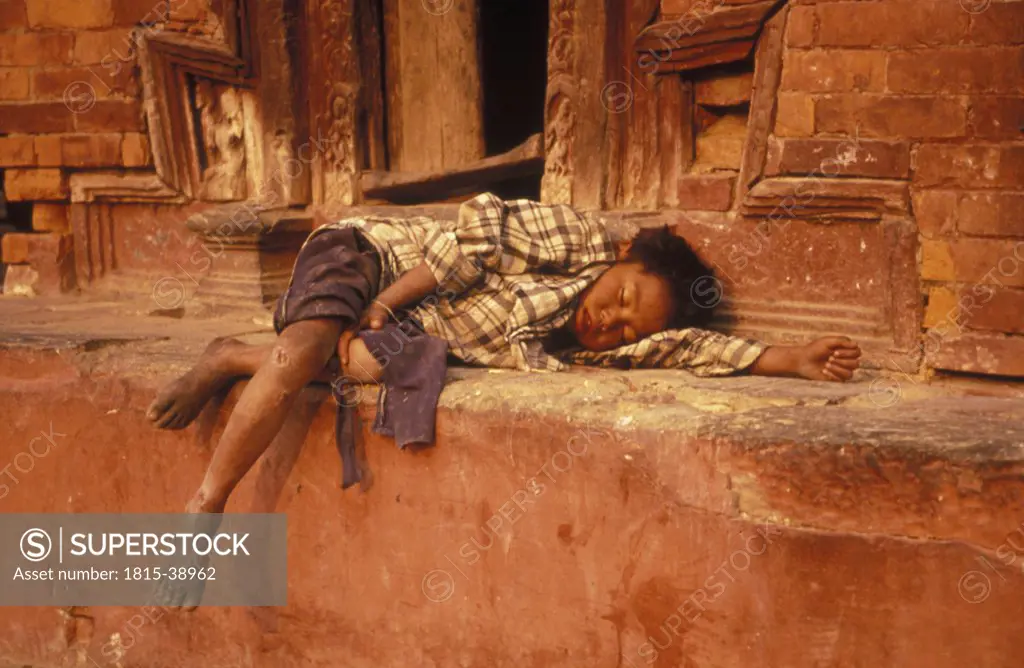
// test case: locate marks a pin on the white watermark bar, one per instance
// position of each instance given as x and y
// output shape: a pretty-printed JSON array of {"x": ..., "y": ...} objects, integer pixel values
[{"x": 169, "y": 560}]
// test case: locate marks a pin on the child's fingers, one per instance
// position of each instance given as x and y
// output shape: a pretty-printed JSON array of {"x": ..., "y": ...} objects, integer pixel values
[
  {"x": 849, "y": 364},
  {"x": 838, "y": 372},
  {"x": 828, "y": 374},
  {"x": 343, "y": 343},
  {"x": 846, "y": 353}
]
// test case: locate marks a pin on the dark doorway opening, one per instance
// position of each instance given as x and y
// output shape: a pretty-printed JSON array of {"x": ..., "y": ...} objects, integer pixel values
[{"x": 513, "y": 54}]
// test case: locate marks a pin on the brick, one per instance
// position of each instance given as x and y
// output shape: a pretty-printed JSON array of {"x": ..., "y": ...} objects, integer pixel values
[
  {"x": 54, "y": 84},
  {"x": 993, "y": 70},
  {"x": 794, "y": 115},
  {"x": 935, "y": 212},
  {"x": 839, "y": 157},
  {"x": 70, "y": 13},
  {"x": 998, "y": 214},
  {"x": 942, "y": 307},
  {"x": 20, "y": 281},
  {"x": 936, "y": 261},
  {"x": 47, "y": 149},
  {"x": 971, "y": 166},
  {"x": 133, "y": 12},
  {"x": 51, "y": 255},
  {"x": 979, "y": 353},
  {"x": 14, "y": 84},
  {"x": 35, "y": 184},
  {"x": 996, "y": 117},
  {"x": 1000, "y": 23},
  {"x": 93, "y": 150},
  {"x": 104, "y": 46},
  {"x": 833, "y": 71},
  {"x": 992, "y": 309},
  {"x": 721, "y": 146},
  {"x": 16, "y": 152},
  {"x": 802, "y": 26},
  {"x": 47, "y": 217},
  {"x": 33, "y": 49},
  {"x": 12, "y": 14},
  {"x": 987, "y": 261},
  {"x": 135, "y": 150},
  {"x": 890, "y": 116},
  {"x": 15, "y": 247},
  {"x": 906, "y": 23},
  {"x": 111, "y": 116},
  {"x": 708, "y": 192},
  {"x": 724, "y": 91}
]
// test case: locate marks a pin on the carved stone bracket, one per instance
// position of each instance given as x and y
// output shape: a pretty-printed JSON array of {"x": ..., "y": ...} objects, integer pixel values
[
  {"x": 701, "y": 33},
  {"x": 827, "y": 200},
  {"x": 255, "y": 250}
]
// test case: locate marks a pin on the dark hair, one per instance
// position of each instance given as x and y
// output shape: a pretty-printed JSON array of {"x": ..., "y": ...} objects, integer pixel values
[{"x": 695, "y": 290}]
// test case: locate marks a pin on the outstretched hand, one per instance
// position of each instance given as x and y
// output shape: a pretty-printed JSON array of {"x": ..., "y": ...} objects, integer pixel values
[
  {"x": 832, "y": 358},
  {"x": 828, "y": 358}
]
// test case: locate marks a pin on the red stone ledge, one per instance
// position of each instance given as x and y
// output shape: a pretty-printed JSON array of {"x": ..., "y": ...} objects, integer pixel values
[{"x": 581, "y": 519}]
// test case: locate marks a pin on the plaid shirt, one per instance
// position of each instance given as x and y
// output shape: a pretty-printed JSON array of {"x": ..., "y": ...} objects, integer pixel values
[{"x": 510, "y": 272}]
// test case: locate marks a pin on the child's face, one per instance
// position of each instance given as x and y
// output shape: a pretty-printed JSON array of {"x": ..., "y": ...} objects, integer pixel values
[{"x": 623, "y": 306}]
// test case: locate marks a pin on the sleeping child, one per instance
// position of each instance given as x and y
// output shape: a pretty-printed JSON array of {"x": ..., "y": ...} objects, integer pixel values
[{"x": 510, "y": 284}]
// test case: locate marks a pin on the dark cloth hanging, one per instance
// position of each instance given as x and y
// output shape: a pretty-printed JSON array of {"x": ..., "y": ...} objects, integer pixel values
[{"x": 414, "y": 367}]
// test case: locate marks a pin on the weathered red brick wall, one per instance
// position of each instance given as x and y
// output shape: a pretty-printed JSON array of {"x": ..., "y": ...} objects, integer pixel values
[
  {"x": 933, "y": 89},
  {"x": 70, "y": 101}
]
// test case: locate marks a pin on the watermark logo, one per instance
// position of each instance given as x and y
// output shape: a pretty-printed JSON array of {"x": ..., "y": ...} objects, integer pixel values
[
  {"x": 79, "y": 97},
  {"x": 617, "y": 97},
  {"x": 975, "y": 6},
  {"x": 885, "y": 392},
  {"x": 438, "y": 585},
  {"x": 974, "y": 587},
  {"x": 169, "y": 293},
  {"x": 36, "y": 545},
  {"x": 706, "y": 292},
  {"x": 438, "y": 7}
]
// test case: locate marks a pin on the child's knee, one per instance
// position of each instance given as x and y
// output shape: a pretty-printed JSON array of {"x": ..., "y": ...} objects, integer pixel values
[{"x": 362, "y": 365}]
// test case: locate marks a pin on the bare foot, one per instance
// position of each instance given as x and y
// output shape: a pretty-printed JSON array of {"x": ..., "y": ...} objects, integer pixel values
[
  {"x": 180, "y": 402},
  {"x": 183, "y": 586}
]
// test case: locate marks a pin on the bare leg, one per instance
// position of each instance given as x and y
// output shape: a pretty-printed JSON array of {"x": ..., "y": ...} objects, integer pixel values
[
  {"x": 300, "y": 353},
  {"x": 223, "y": 362}
]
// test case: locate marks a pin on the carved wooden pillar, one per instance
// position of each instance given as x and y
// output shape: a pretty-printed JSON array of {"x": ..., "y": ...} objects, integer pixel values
[
  {"x": 333, "y": 80},
  {"x": 575, "y": 111},
  {"x": 560, "y": 107},
  {"x": 281, "y": 145}
]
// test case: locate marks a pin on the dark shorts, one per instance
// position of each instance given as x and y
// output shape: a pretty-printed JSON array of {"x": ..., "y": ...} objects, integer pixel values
[{"x": 336, "y": 275}]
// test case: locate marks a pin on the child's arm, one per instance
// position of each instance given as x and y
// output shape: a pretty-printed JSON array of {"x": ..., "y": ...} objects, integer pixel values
[
  {"x": 827, "y": 358},
  {"x": 410, "y": 288},
  {"x": 706, "y": 353}
]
